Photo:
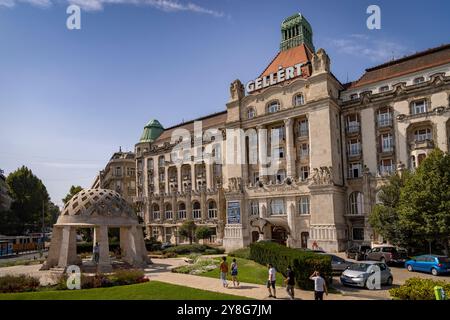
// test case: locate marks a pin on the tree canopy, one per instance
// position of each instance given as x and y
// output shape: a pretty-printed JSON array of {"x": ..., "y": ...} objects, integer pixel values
[
  {"x": 187, "y": 229},
  {"x": 73, "y": 191}
]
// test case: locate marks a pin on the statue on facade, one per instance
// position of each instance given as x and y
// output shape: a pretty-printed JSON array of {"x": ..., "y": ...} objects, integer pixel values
[{"x": 236, "y": 90}]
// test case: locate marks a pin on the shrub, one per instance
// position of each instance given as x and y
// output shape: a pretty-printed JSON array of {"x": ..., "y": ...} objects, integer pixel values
[
  {"x": 243, "y": 253},
  {"x": 418, "y": 289},
  {"x": 194, "y": 248},
  {"x": 19, "y": 283},
  {"x": 96, "y": 281},
  {"x": 153, "y": 245},
  {"x": 303, "y": 263},
  {"x": 124, "y": 277}
]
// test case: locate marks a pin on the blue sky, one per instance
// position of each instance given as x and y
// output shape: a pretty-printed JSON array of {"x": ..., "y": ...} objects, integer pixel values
[{"x": 70, "y": 98}]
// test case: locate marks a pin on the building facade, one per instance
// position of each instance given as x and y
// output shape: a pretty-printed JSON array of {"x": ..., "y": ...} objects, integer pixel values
[
  {"x": 119, "y": 175},
  {"x": 337, "y": 144}
]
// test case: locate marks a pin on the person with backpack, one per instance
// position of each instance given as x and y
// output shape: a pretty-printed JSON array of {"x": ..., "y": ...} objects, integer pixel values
[{"x": 234, "y": 273}]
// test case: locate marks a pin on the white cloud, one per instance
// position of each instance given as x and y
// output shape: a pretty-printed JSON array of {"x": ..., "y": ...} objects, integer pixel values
[
  {"x": 363, "y": 45},
  {"x": 97, "y": 5}
]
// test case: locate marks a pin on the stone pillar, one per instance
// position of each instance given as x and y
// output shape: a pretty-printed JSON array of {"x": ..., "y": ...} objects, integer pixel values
[
  {"x": 125, "y": 245},
  {"x": 174, "y": 207},
  {"x": 193, "y": 177},
  {"x": 179, "y": 179},
  {"x": 162, "y": 209},
  {"x": 208, "y": 170},
  {"x": 156, "y": 175},
  {"x": 262, "y": 152},
  {"x": 68, "y": 247},
  {"x": 55, "y": 247},
  {"x": 166, "y": 177},
  {"x": 104, "y": 263},
  {"x": 291, "y": 212},
  {"x": 290, "y": 149},
  {"x": 188, "y": 206},
  {"x": 203, "y": 204}
]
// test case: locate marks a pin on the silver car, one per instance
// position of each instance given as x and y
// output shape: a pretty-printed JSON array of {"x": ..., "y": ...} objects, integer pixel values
[
  {"x": 360, "y": 274},
  {"x": 338, "y": 265}
]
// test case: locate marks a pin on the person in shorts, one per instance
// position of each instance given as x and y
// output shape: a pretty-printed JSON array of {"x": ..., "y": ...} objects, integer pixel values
[
  {"x": 234, "y": 273},
  {"x": 224, "y": 272},
  {"x": 320, "y": 286},
  {"x": 290, "y": 282},
  {"x": 271, "y": 281}
]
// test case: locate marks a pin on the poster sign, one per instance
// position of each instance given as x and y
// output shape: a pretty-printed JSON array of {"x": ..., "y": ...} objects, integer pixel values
[{"x": 234, "y": 212}]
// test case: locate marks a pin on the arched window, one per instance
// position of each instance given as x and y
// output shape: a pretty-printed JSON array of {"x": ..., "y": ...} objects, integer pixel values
[
  {"x": 356, "y": 203},
  {"x": 168, "y": 211},
  {"x": 251, "y": 113},
  {"x": 212, "y": 210},
  {"x": 299, "y": 100},
  {"x": 181, "y": 210},
  {"x": 196, "y": 210},
  {"x": 273, "y": 107},
  {"x": 156, "y": 213}
]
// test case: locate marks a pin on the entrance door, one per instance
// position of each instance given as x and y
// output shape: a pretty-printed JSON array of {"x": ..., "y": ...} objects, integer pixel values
[
  {"x": 305, "y": 237},
  {"x": 279, "y": 235}
]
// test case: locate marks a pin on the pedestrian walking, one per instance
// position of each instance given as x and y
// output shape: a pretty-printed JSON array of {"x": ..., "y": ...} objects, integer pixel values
[
  {"x": 320, "y": 286},
  {"x": 271, "y": 281},
  {"x": 96, "y": 252},
  {"x": 290, "y": 282},
  {"x": 224, "y": 272},
  {"x": 234, "y": 273}
]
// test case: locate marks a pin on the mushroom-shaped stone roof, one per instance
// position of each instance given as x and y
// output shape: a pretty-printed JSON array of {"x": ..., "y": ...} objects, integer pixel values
[
  {"x": 98, "y": 207},
  {"x": 152, "y": 131}
]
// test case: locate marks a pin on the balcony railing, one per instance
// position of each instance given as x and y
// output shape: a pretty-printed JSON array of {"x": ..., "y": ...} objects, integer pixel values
[
  {"x": 422, "y": 144},
  {"x": 354, "y": 151},
  {"x": 303, "y": 133},
  {"x": 181, "y": 214},
  {"x": 197, "y": 213},
  {"x": 353, "y": 127},
  {"x": 156, "y": 215},
  {"x": 384, "y": 122},
  {"x": 169, "y": 215},
  {"x": 386, "y": 170},
  {"x": 212, "y": 213}
]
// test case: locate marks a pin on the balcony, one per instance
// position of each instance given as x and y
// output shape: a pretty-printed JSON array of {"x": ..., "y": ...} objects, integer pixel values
[
  {"x": 169, "y": 215},
  {"x": 384, "y": 171},
  {"x": 181, "y": 214},
  {"x": 422, "y": 144},
  {"x": 156, "y": 215},
  {"x": 197, "y": 213},
  {"x": 212, "y": 213},
  {"x": 384, "y": 122}
]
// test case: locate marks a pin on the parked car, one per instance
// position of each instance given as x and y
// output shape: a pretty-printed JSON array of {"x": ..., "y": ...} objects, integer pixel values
[
  {"x": 433, "y": 264},
  {"x": 166, "y": 245},
  {"x": 357, "y": 252},
  {"x": 388, "y": 254},
  {"x": 338, "y": 265},
  {"x": 358, "y": 273}
]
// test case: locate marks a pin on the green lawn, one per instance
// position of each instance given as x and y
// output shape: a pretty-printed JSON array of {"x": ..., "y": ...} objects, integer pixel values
[
  {"x": 248, "y": 271},
  {"x": 153, "y": 290}
]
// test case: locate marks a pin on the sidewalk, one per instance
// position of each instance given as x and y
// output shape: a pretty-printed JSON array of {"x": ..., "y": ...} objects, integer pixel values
[{"x": 250, "y": 290}]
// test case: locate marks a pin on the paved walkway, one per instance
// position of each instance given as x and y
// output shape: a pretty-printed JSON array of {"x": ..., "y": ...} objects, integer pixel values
[{"x": 161, "y": 271}]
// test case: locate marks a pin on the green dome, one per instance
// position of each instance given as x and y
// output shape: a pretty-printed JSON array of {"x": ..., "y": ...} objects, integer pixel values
[{"x": 152, "y": 131}]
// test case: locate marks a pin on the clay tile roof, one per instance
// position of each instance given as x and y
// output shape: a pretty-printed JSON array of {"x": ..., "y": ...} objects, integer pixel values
[
  {"x": 413, "y": 63},
  {"x": 288, "y": 58},
  {"x": 214, "y": 120}
]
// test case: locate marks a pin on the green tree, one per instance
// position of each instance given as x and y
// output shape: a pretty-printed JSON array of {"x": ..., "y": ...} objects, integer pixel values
[
  {"x": 73, "y": 191},
  {"x": 384, "y": 218},
  {"x": 203, "y": 232},
  {"x": 187, "y": 229},
  {"x": 425, "y": 200},
  {"x": 30, "y": 201}
]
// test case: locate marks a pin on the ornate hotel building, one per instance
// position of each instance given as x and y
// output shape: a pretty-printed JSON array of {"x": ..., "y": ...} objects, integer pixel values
[{"x": 338, "y": 144}]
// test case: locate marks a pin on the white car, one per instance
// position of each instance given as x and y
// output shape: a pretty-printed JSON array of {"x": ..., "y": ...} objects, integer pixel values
[{"x": 358, "y": 274}]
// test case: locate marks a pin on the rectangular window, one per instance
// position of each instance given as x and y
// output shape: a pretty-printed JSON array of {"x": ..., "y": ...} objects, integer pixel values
[
  {"x": 387, "y": 143},
  {"x": 277, "y": 207},
  {"x": 118, "y": 171},
  {"x": 303, "y": 205},
  {"x": 254, "y": 208},
  {"x": 255, "y": 177},
  {"x": 384, "y": 119},
  {"x": 354, "y": 147},
  {"x": 304, "y": 173},
  {"x": 358, "y": 234},
  {"x": 304, "y": 151},
  {"x": 386, "y": 167},
  {"x": 280, "y": 152},
  {"x": 303, "y": 128},
  {"x": 354, "y": 170},
  {"x": 353, "y": 124},
  {"x": 418, "y": 107}
]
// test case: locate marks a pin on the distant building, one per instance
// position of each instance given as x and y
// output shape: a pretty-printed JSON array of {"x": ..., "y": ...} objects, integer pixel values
[
  {"x": 5, "y": 199},
  {"x": 119, "y": 175}
]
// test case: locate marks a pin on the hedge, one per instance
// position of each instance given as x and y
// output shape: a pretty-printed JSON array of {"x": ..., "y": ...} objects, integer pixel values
[
  {"x": 419, "y": 289},
  {"x": 194, "y": 248},
  {"x": 303, "y": 263}
]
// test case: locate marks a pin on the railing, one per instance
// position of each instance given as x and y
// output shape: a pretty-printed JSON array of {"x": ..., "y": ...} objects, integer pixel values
[
  {"x": 387, "y": 148},
  {"x": 169, "y": 215},
  {"x": 384, "y": 121},
  {"x": 181, "y": 214},
  {"x": 156, "y": 215},
  {"x": 212, "y": 213},
  {"x": 386, "y": 170},
  {"x": 303, "y": 133},
  {"x": 354, "y": 151},
  {"x": 353, "y": 127},
  {"x": 197, "y": 213}
]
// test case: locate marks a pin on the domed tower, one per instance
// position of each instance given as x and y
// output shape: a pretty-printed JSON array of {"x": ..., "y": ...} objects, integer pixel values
[
  {"x": 295, "y": 31},
  {"x": 152, "y": 131}
]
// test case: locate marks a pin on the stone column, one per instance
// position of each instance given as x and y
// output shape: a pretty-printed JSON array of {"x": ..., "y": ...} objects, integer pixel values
[
  {"x": 290, "y": 206},
  {"x": 156, "y": 175},
  {"x": 203, "y": 204},
  {"x": 125, "y": 245},
  {"x": 104, "y": 263},
  {"x": 188, "y": 206},
  {"x": 55, "y": 247},
  {"x": 262, "y": 152},
  {"x": 174, "y": 207},
  {"x": 179, "y": 179},
  {"x": 208, "y": 171},
  {"x": 290, "y": 149},
  {"x": 193, "y": 177},
  {"x": 162, "y": 209},
  {"x": 166, "y": 177},
  {"x": 68, "y": 247}
]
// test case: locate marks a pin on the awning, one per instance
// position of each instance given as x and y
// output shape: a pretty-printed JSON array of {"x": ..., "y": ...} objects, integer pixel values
[{"x": 274, "y": 221}]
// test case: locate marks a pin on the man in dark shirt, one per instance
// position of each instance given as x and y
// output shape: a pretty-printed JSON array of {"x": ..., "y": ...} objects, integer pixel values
[{"x": 290, "y": 282}]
